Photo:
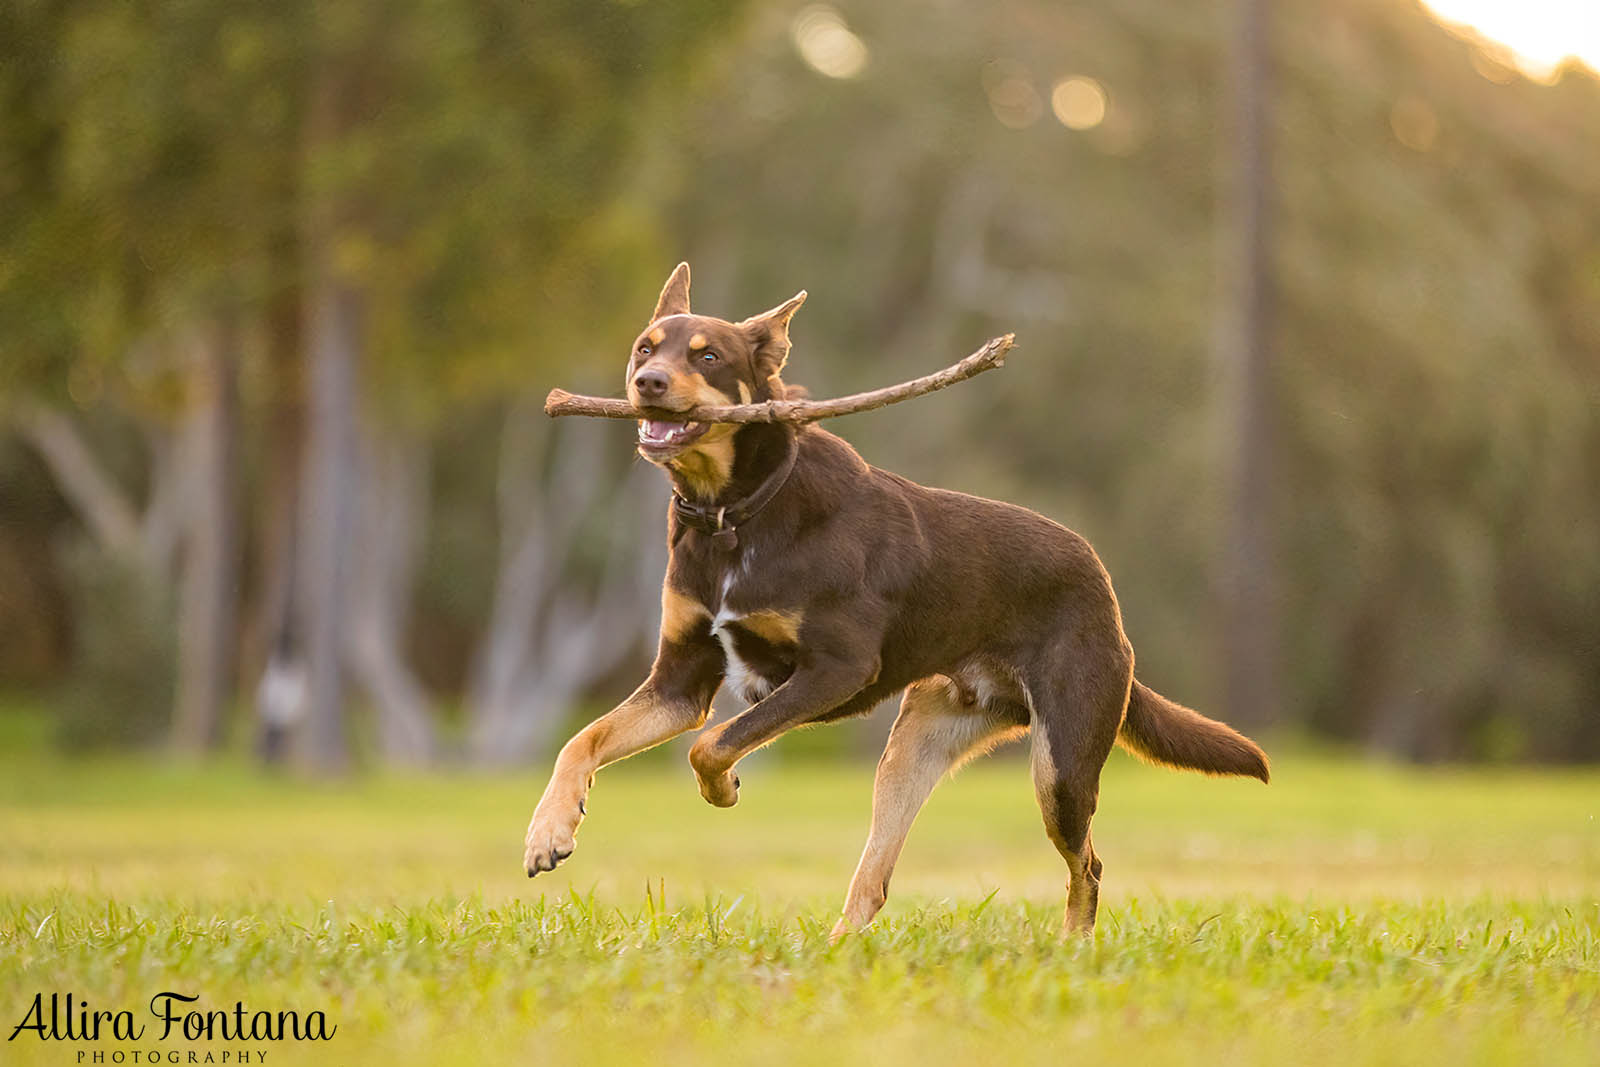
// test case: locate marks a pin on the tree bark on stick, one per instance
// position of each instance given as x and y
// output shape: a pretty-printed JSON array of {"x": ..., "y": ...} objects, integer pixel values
[{"x": 992, "y": 355}]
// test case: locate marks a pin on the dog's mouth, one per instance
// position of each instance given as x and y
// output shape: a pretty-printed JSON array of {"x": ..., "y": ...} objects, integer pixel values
[{"x": 659, "y": 438}]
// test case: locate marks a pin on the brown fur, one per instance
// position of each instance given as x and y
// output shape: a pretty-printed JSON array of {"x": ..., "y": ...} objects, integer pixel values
[
  {"x": 1164, "y": 731},
  {"x": 852, "y": 584}
]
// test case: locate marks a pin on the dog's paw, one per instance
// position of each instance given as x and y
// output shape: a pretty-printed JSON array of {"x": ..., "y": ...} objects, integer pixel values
[
  {"x": 549, "y": 841},
  {"x": 721, "y": 791}
]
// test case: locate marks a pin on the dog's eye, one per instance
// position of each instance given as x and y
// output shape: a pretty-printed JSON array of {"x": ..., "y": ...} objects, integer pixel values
[
  {"x": 708, "y": 356},
  {"x": 644, "y": 350}
]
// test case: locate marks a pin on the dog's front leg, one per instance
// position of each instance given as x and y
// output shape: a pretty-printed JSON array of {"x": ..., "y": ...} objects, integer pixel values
[
  {"x": 815, "y": 688},
  {"x": 676, "y": 697}
]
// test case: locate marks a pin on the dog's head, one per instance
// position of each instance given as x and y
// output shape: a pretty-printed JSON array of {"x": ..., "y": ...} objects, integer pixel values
[{"x": 682, "y": 361}]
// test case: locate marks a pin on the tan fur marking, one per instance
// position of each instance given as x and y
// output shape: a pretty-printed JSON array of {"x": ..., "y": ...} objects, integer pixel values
[
  {"x": 697, "y": 342},
  {"x": 708, "y": 465},
  {"x": 744, "y": 393},
  {"x": 679, "y": 613},
  {"x": 692, "y": 391},
  {"x": 1078, "y": 919},
  {"x": 777, "y": 627},
  {"x": 657, "y": 335},
  {"x": 640, "y": 722},
  {"x": 935, "y": 732},
  {"x": 705, "y": 395}
]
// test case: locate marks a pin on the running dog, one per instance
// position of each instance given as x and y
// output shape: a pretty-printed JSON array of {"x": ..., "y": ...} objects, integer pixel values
[{"x": 815, "y": 586}]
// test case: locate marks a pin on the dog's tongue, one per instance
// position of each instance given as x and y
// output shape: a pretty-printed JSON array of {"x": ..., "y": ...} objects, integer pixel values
[{"x": 658, "y": 428}]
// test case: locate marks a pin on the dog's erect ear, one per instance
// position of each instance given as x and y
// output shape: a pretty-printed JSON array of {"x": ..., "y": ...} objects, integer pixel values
[
  {"x": 769, "y": 332},
  {"x": 674, "y": 295}
]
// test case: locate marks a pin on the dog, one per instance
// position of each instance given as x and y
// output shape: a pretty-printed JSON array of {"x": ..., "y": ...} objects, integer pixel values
[{"x": 816, "y": 586}]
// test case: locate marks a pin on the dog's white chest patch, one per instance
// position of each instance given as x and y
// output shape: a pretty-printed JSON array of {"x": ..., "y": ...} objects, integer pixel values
[{"x": 739, "y": 677}]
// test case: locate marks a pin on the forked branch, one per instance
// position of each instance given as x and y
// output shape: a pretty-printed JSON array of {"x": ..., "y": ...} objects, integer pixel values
[{"x": 560, "y": 402}]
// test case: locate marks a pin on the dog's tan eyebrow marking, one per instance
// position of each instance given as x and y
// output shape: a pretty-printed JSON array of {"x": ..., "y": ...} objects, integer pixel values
[
  {"x": 680, "y": 613},
  {"x": 698, "y": 341},
  {"x": 657, "y": 335}
]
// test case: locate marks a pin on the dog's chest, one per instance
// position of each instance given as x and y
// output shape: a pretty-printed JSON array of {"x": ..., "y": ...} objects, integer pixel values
[{"x": 758, "y": 639}]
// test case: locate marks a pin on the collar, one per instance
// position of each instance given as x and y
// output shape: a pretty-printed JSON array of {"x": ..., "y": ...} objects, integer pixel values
[{"x": 722, "y": 521}]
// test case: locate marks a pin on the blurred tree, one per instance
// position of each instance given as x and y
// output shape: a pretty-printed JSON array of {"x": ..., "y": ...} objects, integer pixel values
[
  {"x": 517, "y": 117},
  {"x": 1054, "y": 169},
  {"x": 345, "y": 245},
  {"x": 398, "y": 197},
  {"x": 1245, "y": 347}
]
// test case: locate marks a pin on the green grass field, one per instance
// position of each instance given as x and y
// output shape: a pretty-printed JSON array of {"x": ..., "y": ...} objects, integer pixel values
[{"x": 1347, "y": 913}]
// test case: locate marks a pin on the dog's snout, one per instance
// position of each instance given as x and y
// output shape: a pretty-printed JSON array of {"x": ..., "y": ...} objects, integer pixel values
[{"x": 651, "y": 384}]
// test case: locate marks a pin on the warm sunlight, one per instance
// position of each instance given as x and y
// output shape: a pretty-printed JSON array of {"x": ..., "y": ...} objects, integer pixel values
[{"x": 1539, "y": 33}]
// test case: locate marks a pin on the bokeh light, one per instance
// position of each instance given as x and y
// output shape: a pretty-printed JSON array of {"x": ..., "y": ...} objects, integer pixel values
[
  {"x": 1539, "y": 33},
  {"x": 827, "y": 44},
  {"x": 1414, "y": 122},
  {"x": 1080, "y": 103},
  {"x": 1012, "y": 97}
]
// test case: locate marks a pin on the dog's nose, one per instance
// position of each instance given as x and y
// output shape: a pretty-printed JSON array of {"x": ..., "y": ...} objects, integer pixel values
[{"x": 652, "y": 384}]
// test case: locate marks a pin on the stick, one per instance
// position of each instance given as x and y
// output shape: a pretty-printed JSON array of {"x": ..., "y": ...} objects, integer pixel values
[{"x": 560, "y": 402}]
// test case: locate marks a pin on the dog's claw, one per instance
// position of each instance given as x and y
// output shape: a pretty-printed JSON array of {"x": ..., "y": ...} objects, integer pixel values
[
  {"x": 548, "y": 862},
  {"x": 549, "y": 841},
  {"x": 721, "y": 793}
]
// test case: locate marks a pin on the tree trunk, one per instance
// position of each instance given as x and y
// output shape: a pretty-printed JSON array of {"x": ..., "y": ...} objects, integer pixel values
[
  {"x": 208, "y": 584},
  {"x": 101, "y": 504},
  {"x": 283, "y": 461},
  {"x": 334, "y": 330},
  {"x": 393, "y": 508},
  {"x": 552, "y": 634},
  {"x": 334, "y": 335},
  {"x": 143, "y": 540},
  {"x": 1249, "y": 583}
]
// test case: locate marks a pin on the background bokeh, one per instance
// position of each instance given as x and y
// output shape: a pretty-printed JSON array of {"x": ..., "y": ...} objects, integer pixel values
[{"x": 282, "y": 286}]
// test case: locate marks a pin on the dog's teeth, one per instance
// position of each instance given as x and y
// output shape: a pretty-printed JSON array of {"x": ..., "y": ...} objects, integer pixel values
[{"x": 664, "y": 433}]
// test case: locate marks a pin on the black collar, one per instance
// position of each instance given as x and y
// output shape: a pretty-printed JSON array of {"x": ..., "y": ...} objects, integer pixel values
[{"x": 722, "y": 521}]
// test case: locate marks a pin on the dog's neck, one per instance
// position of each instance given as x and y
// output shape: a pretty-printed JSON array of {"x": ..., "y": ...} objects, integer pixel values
[{"x": 759, "y": 450}]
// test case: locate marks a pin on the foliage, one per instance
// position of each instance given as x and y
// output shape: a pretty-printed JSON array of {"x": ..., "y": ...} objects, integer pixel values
[
  {"x": 1437, "y": 252},
  {"x": 507, "y": 182},
  {"x": 119, "y": 693}
]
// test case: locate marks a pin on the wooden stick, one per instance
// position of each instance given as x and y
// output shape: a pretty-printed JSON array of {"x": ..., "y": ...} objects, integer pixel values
[{"x": 560, "y": 402}]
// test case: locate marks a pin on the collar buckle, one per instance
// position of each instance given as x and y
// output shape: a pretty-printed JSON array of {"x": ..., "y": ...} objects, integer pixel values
[{"x": 724, "y": 537}]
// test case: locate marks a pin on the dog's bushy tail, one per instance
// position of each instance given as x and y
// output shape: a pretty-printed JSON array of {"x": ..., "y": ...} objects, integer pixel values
[{"x": 1162, "y": 731}]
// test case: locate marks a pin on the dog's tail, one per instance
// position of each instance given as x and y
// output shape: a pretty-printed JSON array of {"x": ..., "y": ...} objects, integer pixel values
[{"x": 1161, "y": 731}]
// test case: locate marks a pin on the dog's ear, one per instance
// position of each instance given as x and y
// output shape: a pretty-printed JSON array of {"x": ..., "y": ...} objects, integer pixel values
[
  {"x": 769, "y": 333},
  {"x": 674, "y": 295}
]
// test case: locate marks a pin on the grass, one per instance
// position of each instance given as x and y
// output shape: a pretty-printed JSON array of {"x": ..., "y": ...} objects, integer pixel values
[{"x": 1348, "y": 913}]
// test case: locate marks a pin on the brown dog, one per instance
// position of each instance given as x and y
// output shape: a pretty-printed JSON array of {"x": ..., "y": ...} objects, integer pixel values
[{"x": 816, "y": 586}]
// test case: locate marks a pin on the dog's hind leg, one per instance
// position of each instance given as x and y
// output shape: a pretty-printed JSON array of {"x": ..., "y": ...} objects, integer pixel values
[
  {"x": 934, "y": 733},
  {"x": 1078, "y": 698}
]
